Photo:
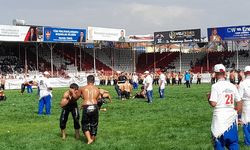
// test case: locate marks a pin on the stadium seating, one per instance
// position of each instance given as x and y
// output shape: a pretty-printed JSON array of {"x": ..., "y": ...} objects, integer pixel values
[
  {"x": 163, "y": 60},
  {"x": 122, "y": 58},
  {"x": 186, "y": 59},
  {"x": 107, "y": 59},
  {"x": 243, "y": 60},
  {"x": 87, "y": 60},
  {"x": 213, "y": 58}
]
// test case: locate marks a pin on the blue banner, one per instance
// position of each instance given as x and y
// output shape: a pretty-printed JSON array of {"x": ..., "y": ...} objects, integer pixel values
[
  {"x": 228, "y": 33},
  {"x": 64, "y": 35}
]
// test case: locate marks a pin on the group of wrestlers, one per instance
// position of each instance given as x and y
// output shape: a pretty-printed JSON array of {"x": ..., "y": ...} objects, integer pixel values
[
  {"x": 92, "y": 100},
  {"x": 231, "y": 105}
]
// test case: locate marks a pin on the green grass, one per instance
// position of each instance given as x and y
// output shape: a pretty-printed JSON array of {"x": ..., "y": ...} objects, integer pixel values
[{"x": 179, "y": 122}]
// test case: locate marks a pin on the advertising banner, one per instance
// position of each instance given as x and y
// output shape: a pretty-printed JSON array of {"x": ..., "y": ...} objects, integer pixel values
[
  {"x": 179, "y": 36},
  {"x": 141, "y": 38},
  {"x": 35, "y": 34},
  {"x": 66, "y": 35},
  {"x": 106, "y": 34},
  {"x": 218, "y": 34},
  {"x": 55, "y": 82},
  {"x": 13, "y": 33}
]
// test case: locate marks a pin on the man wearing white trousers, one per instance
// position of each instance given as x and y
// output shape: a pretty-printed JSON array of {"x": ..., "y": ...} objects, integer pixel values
[{"x": 244, "y": 91}]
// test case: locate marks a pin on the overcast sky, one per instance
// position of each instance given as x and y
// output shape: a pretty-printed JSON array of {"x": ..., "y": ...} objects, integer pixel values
[{"x": 136, "y": 16}]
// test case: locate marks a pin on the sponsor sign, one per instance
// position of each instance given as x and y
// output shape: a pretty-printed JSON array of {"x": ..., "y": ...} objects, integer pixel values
[
  {"x": 67, "y": 35},
  {"x": 141, "y": 38},
  {"x": 106, "y": 34},
  {"x": 35, "y": 34},
  {"x": 179, "y": 36},
  {"x": 13, "y": 33},
  {"x": 219, "y": 34}
]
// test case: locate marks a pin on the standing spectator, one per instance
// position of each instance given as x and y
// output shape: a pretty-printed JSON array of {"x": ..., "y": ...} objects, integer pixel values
[
  {"x": 174, "y": 78},
  {"x": 162, "y": 82},
  {"x": 45, "y": 94},
  {"x": 2, "y": 83},
  {"x": 198, "y": 78},
  {"x": 232, "y": 77},
  {"x": 106, "y": 80},
  {"x": 148, "y": 83},
  {"x": 191, "y": 77},
  {"x": 168, "y": 78},
  {"x": 224, "y": 123},
  {"x": 109, "y": 80},
  {"x": 244, "y": 91},
  {"x": 187, "y": 79},
  {"x": 156, "y": 79},
  {"x": 180, "y": 76},
  {"x": 29, "y": 87},
  {"x": 29, "y": 84},
  {"x": 135, "y": 81}
]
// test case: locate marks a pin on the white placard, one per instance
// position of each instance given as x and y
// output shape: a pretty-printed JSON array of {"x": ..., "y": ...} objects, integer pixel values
[
  {"x": 106, "y": 34},
  {"x": 13, "y": 33}
]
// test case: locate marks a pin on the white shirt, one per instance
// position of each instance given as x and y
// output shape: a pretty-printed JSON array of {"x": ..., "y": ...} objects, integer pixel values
[
  {"x": 244, "y": 91},
  {"x": 135, "y": 78},
  {"x": 225, "y": 94},
  {"x": 162, "y": 80},
  {"x": 44, "y": 84},
  {"x": 149, "y": 82}
]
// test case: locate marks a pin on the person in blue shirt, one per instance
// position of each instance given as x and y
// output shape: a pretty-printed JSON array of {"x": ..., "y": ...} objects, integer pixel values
[{"x": 187, "y": 79}]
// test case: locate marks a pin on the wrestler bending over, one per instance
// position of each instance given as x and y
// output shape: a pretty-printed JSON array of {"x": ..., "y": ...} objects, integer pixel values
[{"x": 102, "y": 99}]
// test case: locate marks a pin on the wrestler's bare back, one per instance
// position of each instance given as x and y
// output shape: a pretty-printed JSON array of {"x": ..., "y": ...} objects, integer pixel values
[{"x": 90, "y": 94}]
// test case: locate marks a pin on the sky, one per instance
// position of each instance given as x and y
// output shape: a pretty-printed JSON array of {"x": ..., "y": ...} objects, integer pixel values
[{"x": 136, "y": 16}]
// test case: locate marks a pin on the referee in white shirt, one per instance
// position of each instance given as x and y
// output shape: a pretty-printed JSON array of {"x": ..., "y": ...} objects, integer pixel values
[
  {"x": 223, "y": 97},
  {"x": 148, "y": 83},
  {"x": 45, "y": 94},
  {"x": 244, "y": 90}
]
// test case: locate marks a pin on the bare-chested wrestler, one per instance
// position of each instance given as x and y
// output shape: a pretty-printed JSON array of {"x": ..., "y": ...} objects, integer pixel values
[
  {"x": 126, "y": 90},
  {"x": 90, "y": 114},
  {"x": 141, "y": 94},
  {"x": 102, "y": 99},
  {"x": 69, "y": 105}
]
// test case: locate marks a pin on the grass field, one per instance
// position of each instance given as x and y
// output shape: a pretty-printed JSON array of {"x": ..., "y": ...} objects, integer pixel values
[{"x": 179, "y": 122}]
